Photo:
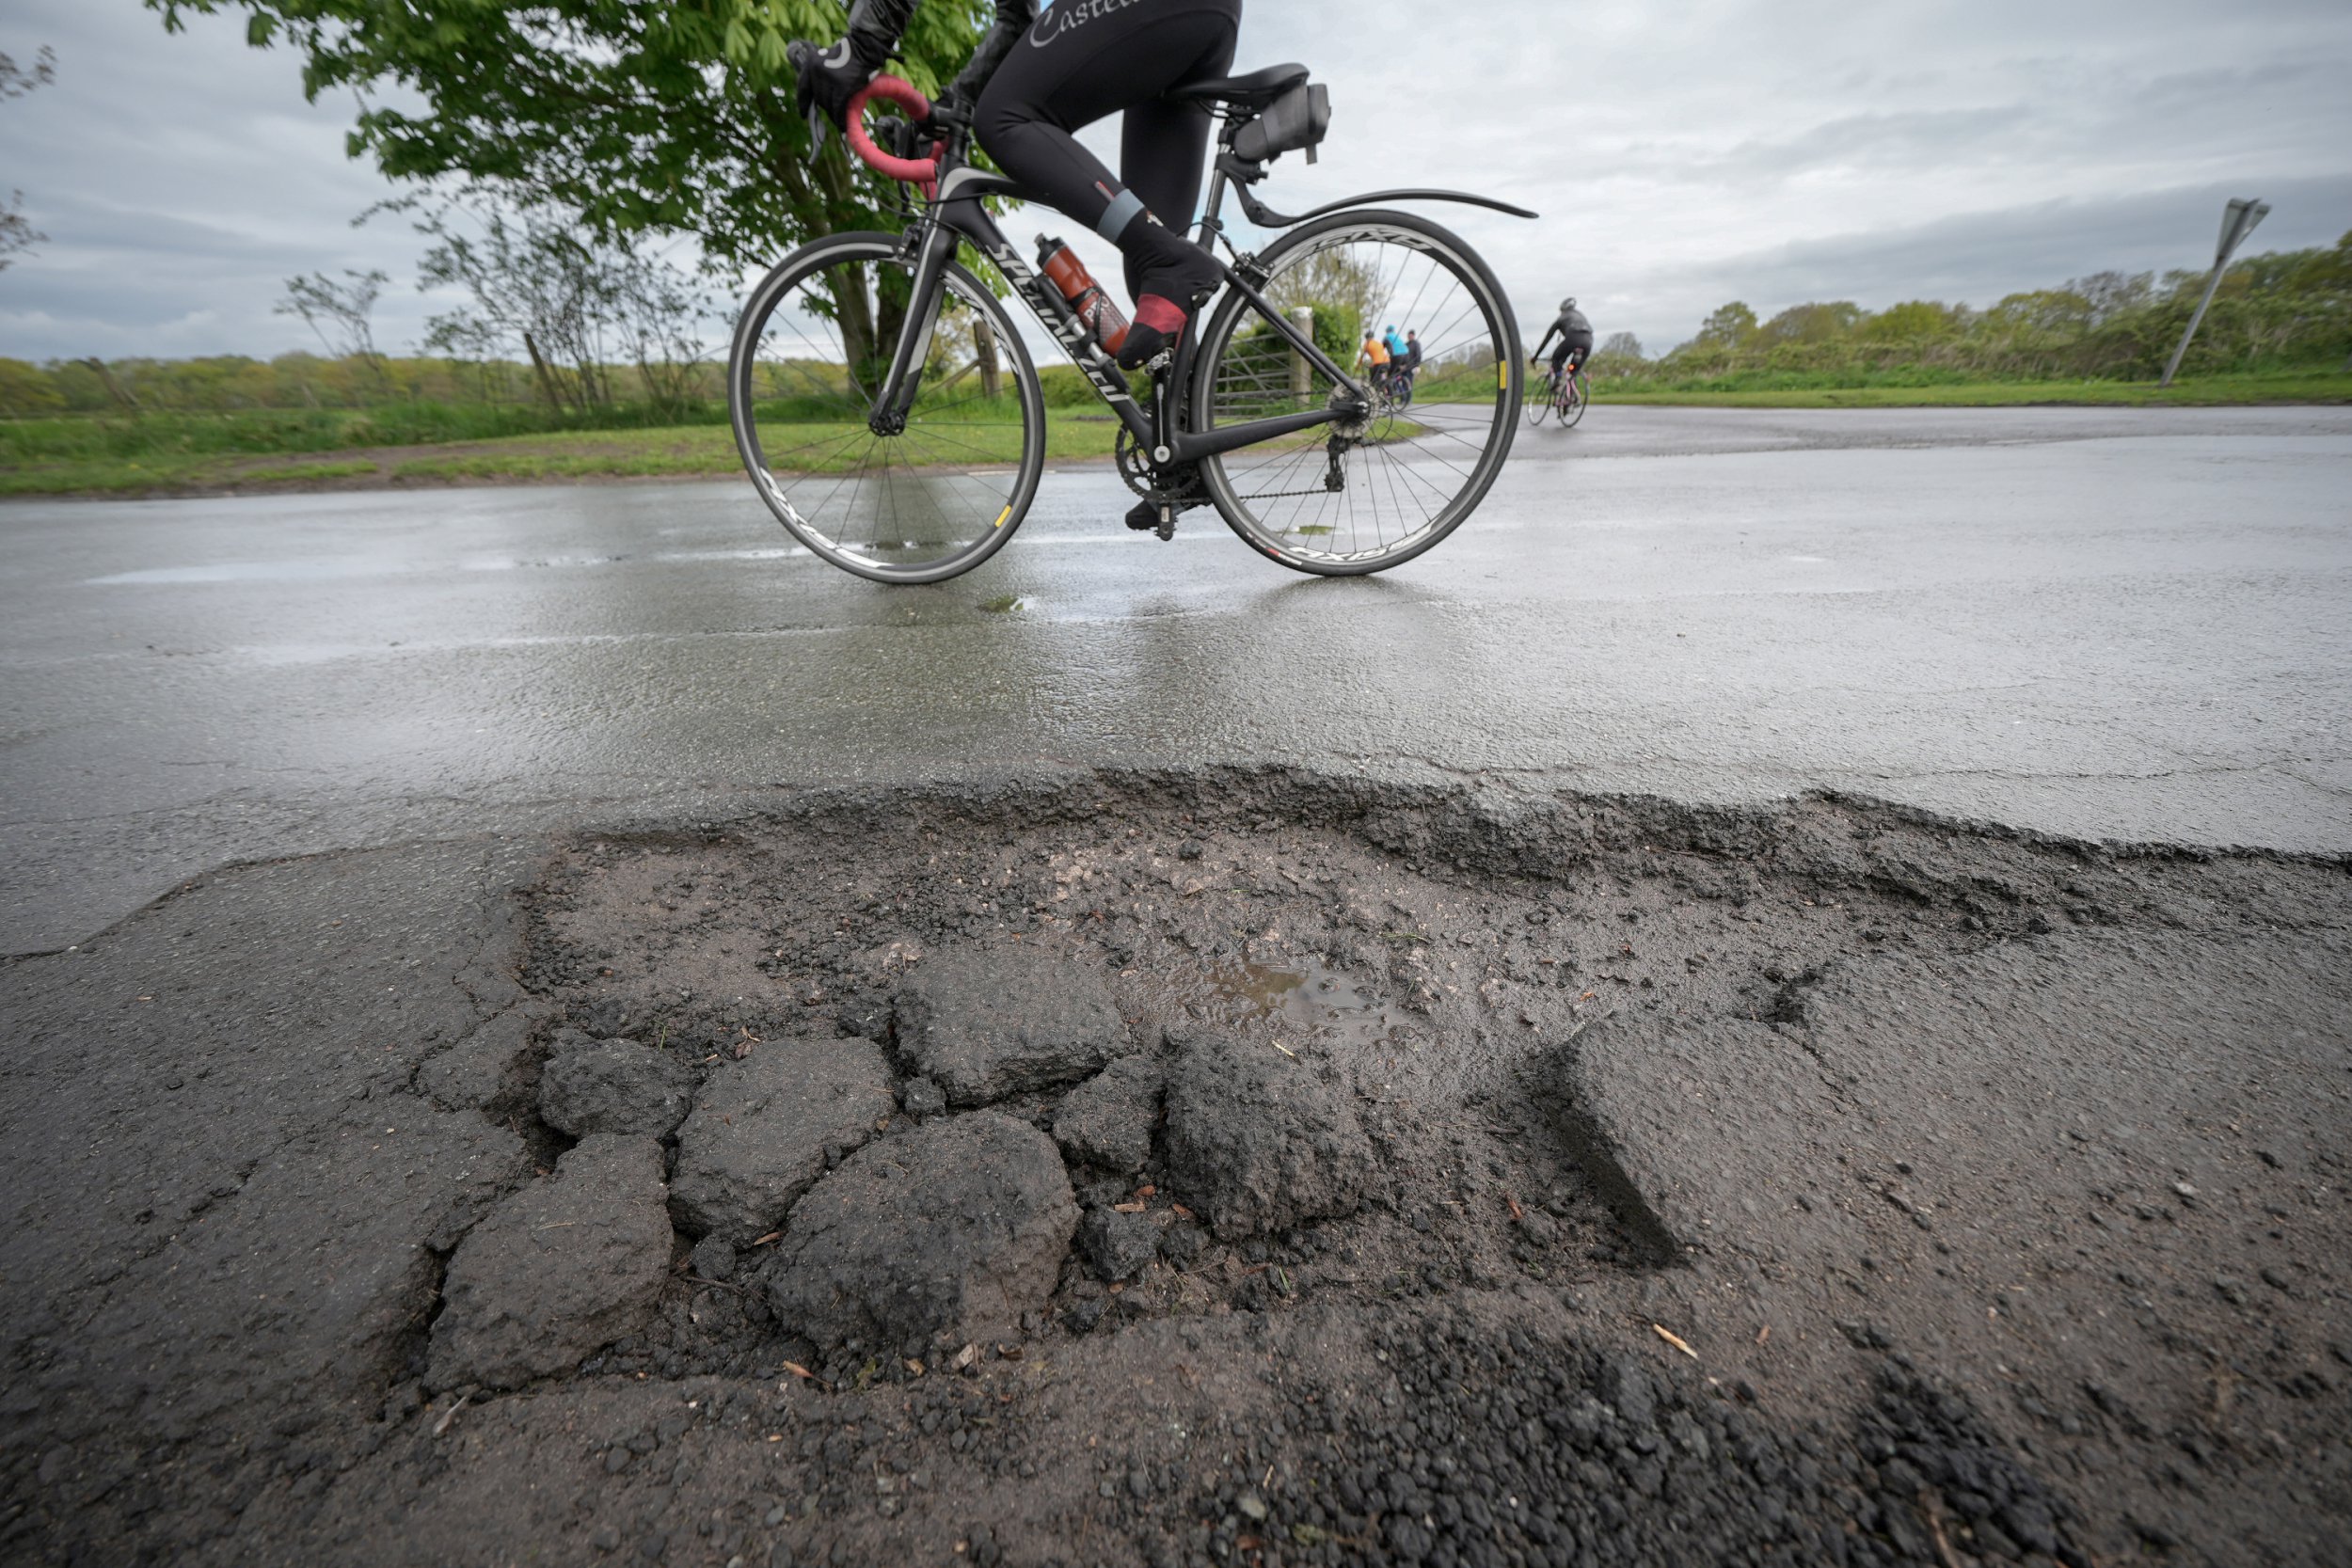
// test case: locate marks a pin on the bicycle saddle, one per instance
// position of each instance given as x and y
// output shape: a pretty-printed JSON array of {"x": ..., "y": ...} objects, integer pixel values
[{"x": 1253, "y": 91}]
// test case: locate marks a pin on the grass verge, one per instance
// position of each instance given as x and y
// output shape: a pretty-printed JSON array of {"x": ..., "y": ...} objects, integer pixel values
[
  {"x": 2307, "y": 386},
  {"x": 35, "y": 463}
]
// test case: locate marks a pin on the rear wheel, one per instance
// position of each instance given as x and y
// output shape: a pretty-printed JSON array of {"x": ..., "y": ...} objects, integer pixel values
[
  {"x": 908, "y": 502},
  {"x": 1375, "y": 490},
  {"x": 1572, "y": 399}
]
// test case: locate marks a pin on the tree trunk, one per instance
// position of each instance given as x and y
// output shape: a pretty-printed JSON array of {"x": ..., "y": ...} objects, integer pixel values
[
  {"x": 984, "y": 344},
  {"x": 546, "y": 376},
  {"x": 115, "y": 389}
]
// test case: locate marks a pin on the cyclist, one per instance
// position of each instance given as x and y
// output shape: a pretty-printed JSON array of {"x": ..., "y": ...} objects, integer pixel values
[
  {"x": 1376, "y": 354},
  {"x": 1081, "y": 62},
  {"x": 1412, "y": 362},
  {"x": 1576, "y": 340}
]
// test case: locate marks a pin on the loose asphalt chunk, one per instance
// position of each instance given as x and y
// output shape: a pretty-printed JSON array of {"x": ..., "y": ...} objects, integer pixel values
[
  {"x": 765, "y": 1128},
  {"x": 1004, "y": 1019},
  {"x": 1256, "y": 1142},
  {"x": 944, "y": 1234},
  {"x": 1108, "y": 1120},
  {"x": 571, "y": 1263},
  {"x": 591, "y": 1086}
]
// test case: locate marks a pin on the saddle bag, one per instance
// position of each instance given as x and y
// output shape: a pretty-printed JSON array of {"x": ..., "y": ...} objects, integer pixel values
[{"x": 1296, "y": 119}]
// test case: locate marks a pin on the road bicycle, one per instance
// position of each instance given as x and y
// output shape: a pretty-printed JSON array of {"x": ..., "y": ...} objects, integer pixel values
[
  {"x": 889, "y": 413},
  {"x": 1564, "y": 397}
]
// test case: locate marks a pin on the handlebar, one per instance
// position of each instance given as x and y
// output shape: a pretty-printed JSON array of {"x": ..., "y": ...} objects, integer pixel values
[{"x": 914, "y": 171}]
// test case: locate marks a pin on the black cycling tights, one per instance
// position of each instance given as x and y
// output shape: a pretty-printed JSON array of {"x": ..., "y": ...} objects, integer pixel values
[{"x": 1084, "y": 59}]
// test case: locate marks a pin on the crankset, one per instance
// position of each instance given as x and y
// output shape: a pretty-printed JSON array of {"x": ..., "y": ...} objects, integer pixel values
[{"x": 1169, "y": 490}]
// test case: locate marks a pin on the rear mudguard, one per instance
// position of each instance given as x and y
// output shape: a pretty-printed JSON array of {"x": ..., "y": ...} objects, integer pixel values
[{"x": 1267, "y": 217}]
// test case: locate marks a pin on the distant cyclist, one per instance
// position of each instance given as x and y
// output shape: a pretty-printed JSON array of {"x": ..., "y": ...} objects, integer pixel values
[
  {"x": 1374, "y": 354},
  {"x": 1576, "y": 340}
]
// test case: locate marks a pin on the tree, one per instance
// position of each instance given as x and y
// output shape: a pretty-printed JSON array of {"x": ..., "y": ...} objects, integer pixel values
[
  {"x": 2052, "y": 312},
  {"x": 2111, "y": 293},
  {"x": 1811, "y": 324},
  {"x": 1915, "y": 320},
  {"x": 1730, "y": 326},
  {"x": 571, "y": 301},
  {"x": 25, "y": 389},
  {"x": 674, "y": 116},
  {"x": 342, "y": 315},
  {"x": 17, "y": 234},
  {"x": 1620, "y": 346}
]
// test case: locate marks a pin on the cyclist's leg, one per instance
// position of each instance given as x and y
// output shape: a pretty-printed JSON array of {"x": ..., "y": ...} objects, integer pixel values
[{"x": 1091, "y": 65}]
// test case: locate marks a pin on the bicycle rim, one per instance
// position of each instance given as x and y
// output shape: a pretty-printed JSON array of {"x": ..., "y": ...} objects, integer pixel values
[
  {"x": 943, "y": 493},
  {"x": 1537, "y": 407},
  {"x": 1344, "y": 499},
  {"x": 1573, "y": 402}
]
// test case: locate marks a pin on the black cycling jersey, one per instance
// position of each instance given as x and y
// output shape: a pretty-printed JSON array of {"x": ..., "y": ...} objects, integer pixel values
[
  {"x": 1038, "y": 77},
  {"x": 1568, "y": 326}
]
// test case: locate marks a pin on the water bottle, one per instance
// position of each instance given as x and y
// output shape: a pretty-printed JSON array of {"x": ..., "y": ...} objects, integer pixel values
[{"x": 1094, "y": 307}]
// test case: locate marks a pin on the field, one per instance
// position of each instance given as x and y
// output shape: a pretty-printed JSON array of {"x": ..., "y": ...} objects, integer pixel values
[
  {"x": 260, "y": 451},
  {"x": 1766, "y": 390}
]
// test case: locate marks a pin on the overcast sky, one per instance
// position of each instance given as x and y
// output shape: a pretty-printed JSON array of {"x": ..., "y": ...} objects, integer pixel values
[{"x": 1681, "y": 157}]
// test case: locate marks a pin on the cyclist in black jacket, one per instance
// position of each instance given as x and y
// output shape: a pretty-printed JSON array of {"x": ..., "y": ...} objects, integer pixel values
[
  {"x": 1037, "y": 78},
  {"x": 1576, "y": 339}
]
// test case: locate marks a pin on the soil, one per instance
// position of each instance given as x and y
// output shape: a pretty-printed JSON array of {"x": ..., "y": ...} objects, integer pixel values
[{"x": 1630, "y": 1182}]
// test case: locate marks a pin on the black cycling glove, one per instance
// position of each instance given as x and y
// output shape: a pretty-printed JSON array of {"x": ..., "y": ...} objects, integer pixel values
[{"x": 830, "y": 76}]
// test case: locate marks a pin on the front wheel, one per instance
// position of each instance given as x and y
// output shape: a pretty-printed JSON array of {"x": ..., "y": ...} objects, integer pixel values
[
  {"x": 900, "y": 499},
  {"x": 1540, "y": 404},
  {"x": 1374, "y": 490}
]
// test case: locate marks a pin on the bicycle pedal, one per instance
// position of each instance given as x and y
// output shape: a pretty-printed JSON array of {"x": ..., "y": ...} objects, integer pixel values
[{"x": 1168, "y": 523}]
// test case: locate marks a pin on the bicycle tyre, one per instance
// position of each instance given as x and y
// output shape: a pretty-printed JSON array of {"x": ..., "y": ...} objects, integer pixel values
[
  {"x": 1494, "y": 337},
  {"x": 1574, "y": 399},
  {"x": 1539, "y": 405},
  {"x": 994, "y": 512}
]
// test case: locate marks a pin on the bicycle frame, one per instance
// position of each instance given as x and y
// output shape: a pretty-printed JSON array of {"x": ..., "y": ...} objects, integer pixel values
[{"x": 954, "y": 213}]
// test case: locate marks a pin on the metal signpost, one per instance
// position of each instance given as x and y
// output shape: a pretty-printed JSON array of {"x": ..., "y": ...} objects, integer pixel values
[{"x": 2237, "y": 221}]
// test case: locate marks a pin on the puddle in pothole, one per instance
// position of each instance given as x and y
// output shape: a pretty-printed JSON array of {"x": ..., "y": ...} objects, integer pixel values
[{"x": 1305, "y": 997}]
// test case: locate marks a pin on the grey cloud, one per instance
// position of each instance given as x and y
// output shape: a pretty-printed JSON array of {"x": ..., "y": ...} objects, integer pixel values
[
  {"x": 1770, "y": 149},
  {"x": 1978, "y": 258}
]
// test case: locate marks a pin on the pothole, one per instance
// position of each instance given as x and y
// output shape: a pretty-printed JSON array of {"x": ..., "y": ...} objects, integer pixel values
[{"x": 1531, "y": 1015}]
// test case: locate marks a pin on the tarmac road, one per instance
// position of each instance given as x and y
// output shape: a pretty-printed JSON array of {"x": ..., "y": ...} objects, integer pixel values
[
  {"x": 2020, "y": 1159},
  {"x": 2127, "y": 623}
]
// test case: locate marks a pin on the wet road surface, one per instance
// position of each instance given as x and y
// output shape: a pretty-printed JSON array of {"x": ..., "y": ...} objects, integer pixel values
[{"x": 2126, "y": 624}]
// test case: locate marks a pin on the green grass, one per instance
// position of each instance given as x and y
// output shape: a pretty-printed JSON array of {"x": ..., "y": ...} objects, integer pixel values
[
  {"x": 56, "y": 467},
  {"x": 174, "y": 455},
  {"x": 1794, "y": 391}
]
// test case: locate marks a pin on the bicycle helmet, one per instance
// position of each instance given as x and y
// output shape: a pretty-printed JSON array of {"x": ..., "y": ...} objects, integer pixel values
[{"x": 1567, "y": 305}]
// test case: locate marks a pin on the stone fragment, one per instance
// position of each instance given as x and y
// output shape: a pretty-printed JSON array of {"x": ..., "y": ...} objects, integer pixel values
[
  {"x": 763, "y": 1128},
  {"x": 1117, "y": 1246},
  {"x": 947, "y": 1233},
  {"x": 1108, "y": 1120},
  {"x": 591, "y": 1085},
  {"x": 714, "y": 1257},
  {"x": 1004, "y": 1021},
  {"x": 568, "y": 1265},
  {"x": 1256, "y": 1142},
  {"x": 920, "y": 1097}
]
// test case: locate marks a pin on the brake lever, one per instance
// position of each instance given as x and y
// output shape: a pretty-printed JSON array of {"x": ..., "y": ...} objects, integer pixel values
[{"x": 816, "y": 128}]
